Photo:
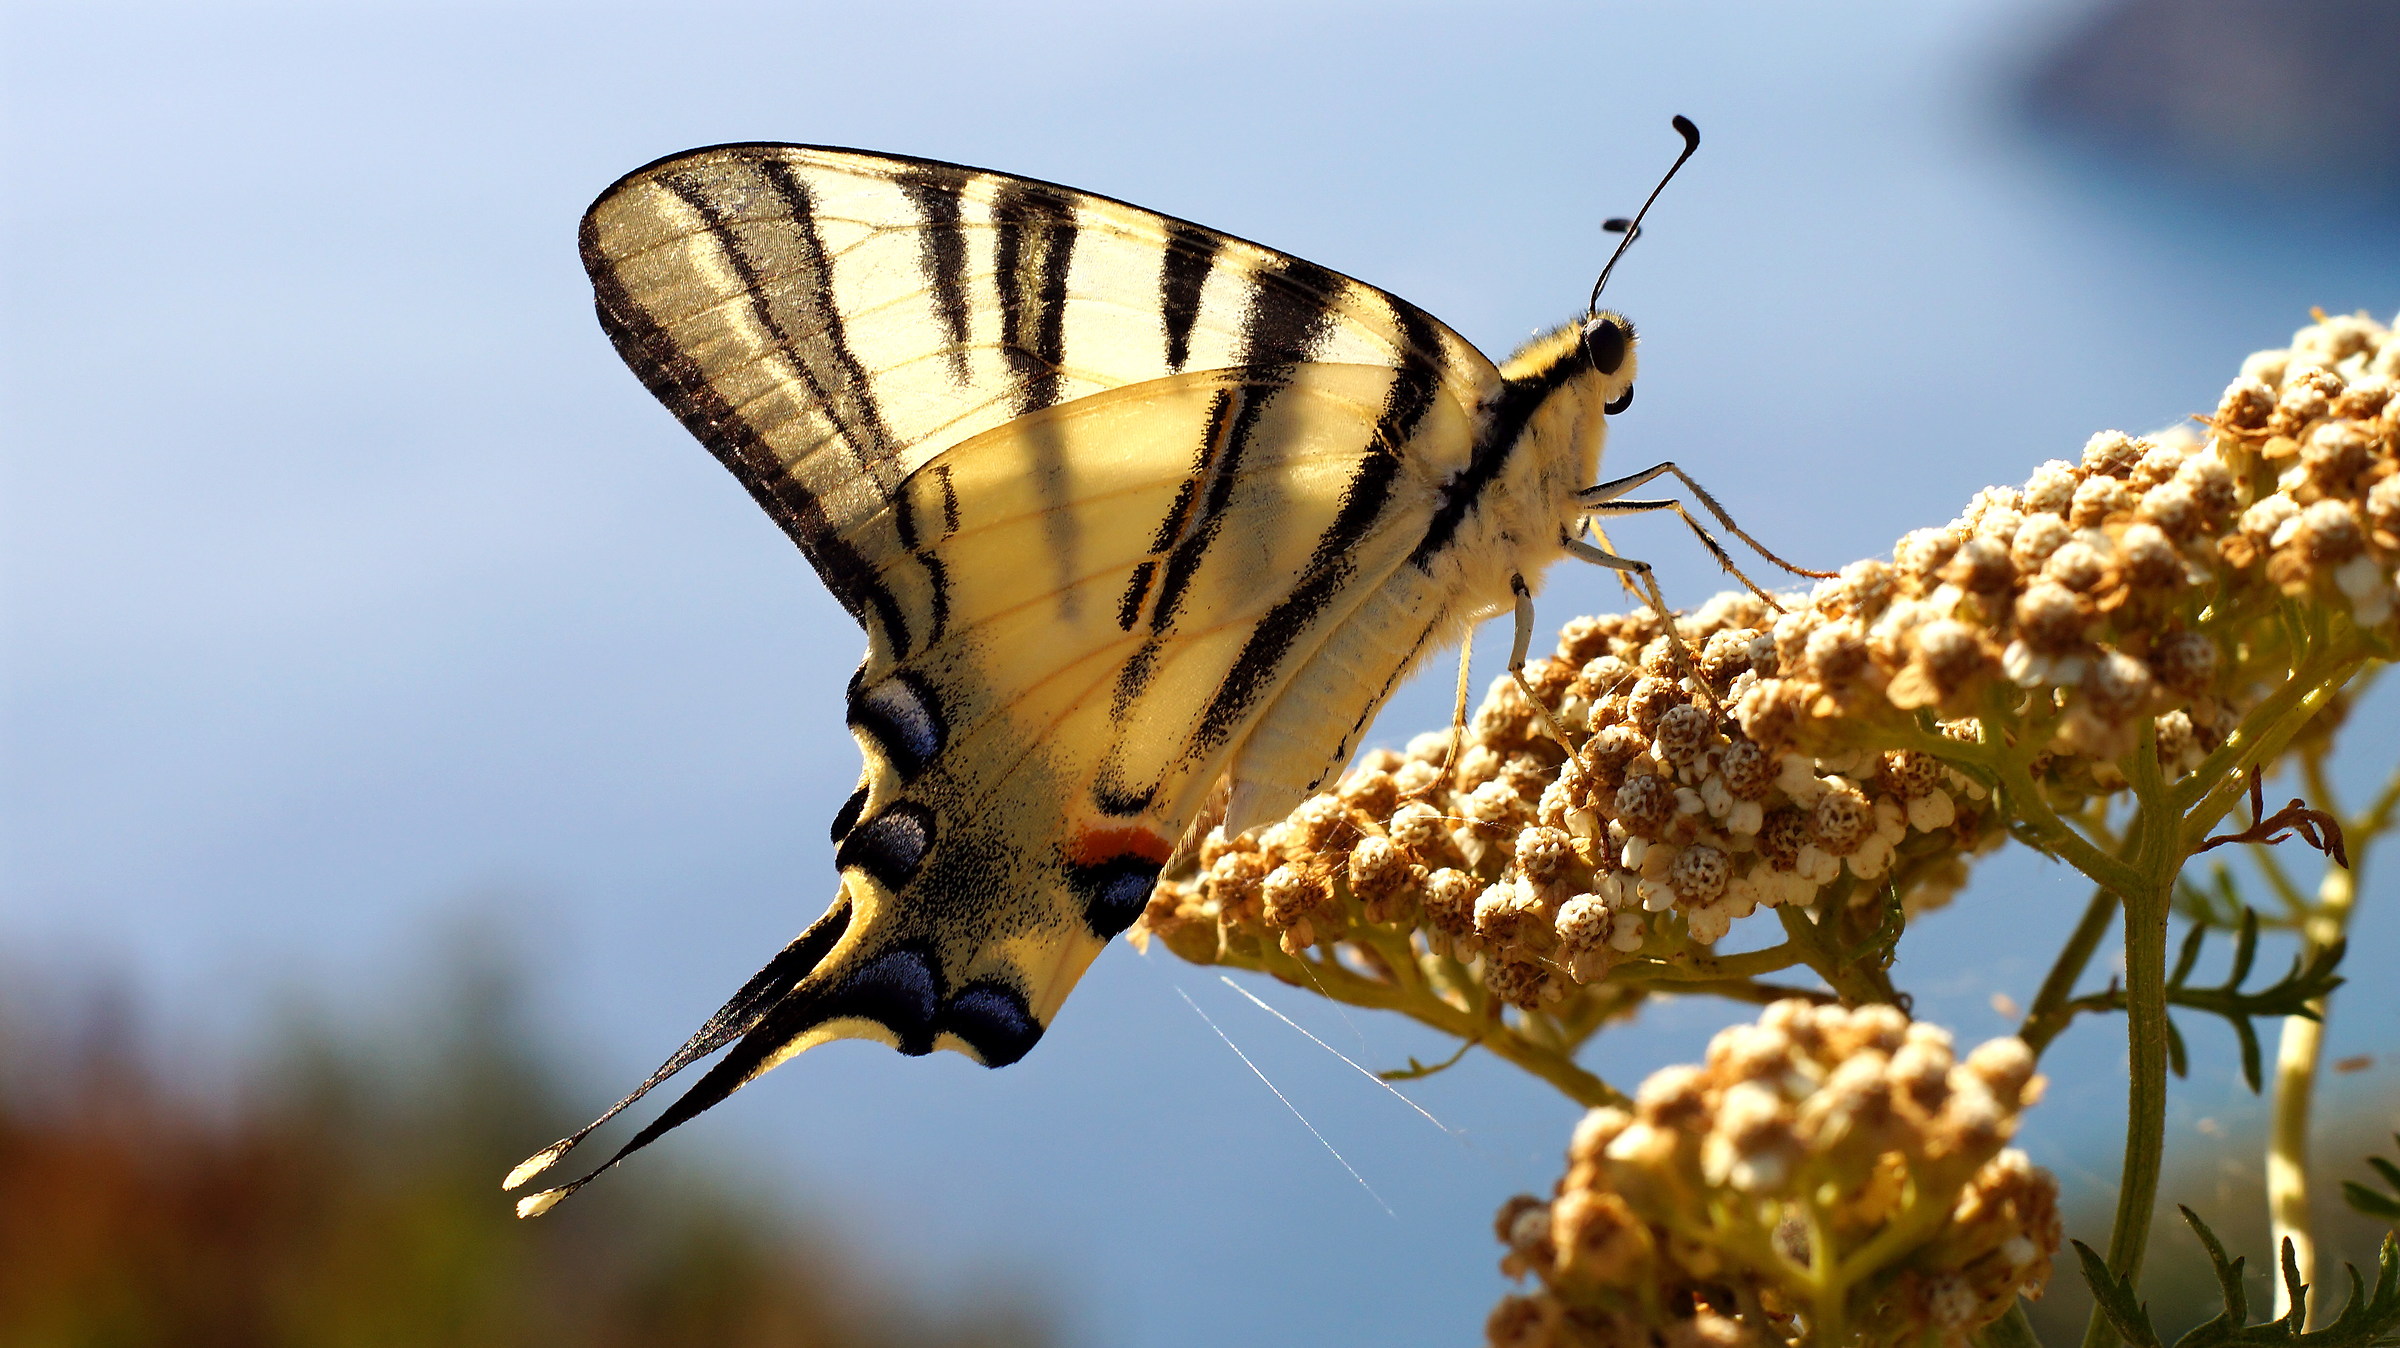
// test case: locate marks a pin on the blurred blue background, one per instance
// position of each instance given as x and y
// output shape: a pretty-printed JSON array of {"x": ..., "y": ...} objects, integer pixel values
[{"x": 351, "y": 589}]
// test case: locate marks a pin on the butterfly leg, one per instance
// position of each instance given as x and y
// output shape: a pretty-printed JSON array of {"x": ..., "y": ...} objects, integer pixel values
[
  {"x": 1642, "y": 572},
  {"x": 1516, "y": 663},
  {"x": 1715, "y": 549},
  {"x": 1605, "y": 499}
]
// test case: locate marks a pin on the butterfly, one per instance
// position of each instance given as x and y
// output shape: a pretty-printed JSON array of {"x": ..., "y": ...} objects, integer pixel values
[{"x": 1134, "y": 514}]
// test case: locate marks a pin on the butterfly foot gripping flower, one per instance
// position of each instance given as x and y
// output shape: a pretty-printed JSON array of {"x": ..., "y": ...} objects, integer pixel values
[{"x": 1827, "y": 1176}]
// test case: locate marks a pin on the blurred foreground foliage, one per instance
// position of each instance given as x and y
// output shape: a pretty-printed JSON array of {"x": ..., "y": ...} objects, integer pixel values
[
  {"x": 342, "y": 1195},
  {"x": 2216, "y": 1174}
]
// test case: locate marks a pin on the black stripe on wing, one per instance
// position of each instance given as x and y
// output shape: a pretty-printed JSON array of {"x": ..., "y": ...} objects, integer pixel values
[
  {"x": 942, "y": 251},
  {"x": 1033, "y": 248},
  {"x": 1183, "y": 275},
  {"x": 677, "y": 381},
  {"x": 834, "y": 369},
  {"x": 1332, "y": 566}
]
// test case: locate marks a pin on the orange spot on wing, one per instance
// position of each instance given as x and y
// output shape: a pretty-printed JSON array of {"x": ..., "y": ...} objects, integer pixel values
[{"x": 1093, "y": 846}]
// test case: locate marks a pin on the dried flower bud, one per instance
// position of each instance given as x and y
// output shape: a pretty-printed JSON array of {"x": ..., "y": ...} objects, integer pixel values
[
  {"x": 2330, "y": 534},
  {"x": 1982, "y": 566},
  {"x": 1726, "y": 656},
  {"x": 2078, "y": 565},
  {"x": 1699, "y": 873},
  {"x": 1644, "y": 804},
  {"x": 2112, "y": 454},
  {"x": 2098, "y": 499},
  {"x": 2334, "y": 453},
  {"x": 2149, "y": 558},
  {"x": 1291, "y": 896},
  {"x": 2364, "y": 400},
  {"x": 2383, "y": 508},
  {"x": 2246, "y": 405},
  {"x": 1683, "y": 732},
  {"x": 1519, "y": 983},
  {"x": 1376, "y": 868},
  {"x": 2210, "y": 482},
  {"x": 1450, "y": 902},
  {"x": 2049, "y": 616},
  {"x": 2159, "y": 465},
  {"x": 1842, "y": 819},
  {"x": 1606, "y": 753},
  {"x": 1836, "y": 651},
  {"x": 1543, "y": 854},
  {"x": 1949, "y": 652},
  {"x": 1781, "y": 837},
  {"x": 1908, "y": 773},
  {"x": 2118, "y": 685},
  {"x": 1747, "y": 770},
  {"x": 2040, "y": 536},
  {"x": 2306, "y": 397},
  {"x": 2051, "y": 488},
  {"x": 1650, "y": 699},
  {"x": 1924, "y": 552}
]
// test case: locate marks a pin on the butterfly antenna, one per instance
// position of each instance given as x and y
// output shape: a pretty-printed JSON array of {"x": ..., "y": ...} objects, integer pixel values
[{"x": 1632, "y": 229}]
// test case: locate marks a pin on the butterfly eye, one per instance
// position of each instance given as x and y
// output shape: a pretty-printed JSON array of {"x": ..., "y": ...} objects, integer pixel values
[{"x": 1604, "y": 340}]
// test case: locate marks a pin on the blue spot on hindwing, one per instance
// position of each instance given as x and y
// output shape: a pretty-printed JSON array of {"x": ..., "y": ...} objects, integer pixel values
[
  {"x": 903, "y": 716},
  {"x": 898, "y": 990},
  {"x": 1114, "y": 892},
  {"x": 993, "y": 1018},
  {"x": 890, "y": 845}
]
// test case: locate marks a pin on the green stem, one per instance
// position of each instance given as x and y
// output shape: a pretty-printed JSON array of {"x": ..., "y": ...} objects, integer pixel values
[
  {"x": 2025, "y": 802},
  {"x": 2211, "y": 792},
  {"x": 1819, "y": 948},
  {"x": 1711, "y": 968},
  {"x": 2155, "y": 857},
  {"x": 2146, "y": 1097},
  {"x": 2052, "y": 1009}
]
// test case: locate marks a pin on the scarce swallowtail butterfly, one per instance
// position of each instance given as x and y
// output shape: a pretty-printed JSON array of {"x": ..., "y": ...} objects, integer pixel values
[{"x": 1132, "y": 511}]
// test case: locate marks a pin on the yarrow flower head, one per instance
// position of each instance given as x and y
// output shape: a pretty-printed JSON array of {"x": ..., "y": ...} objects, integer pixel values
[{"x": 1828, "y": 1175}]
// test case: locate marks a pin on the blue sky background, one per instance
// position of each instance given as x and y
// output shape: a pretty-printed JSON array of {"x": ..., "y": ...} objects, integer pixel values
[{"x": 351, "y": 590}]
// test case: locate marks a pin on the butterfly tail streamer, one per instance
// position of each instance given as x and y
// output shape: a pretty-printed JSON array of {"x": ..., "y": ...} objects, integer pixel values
[
  {"x": 775, "y": 1035},
  {"x": 766, "y": 991}
]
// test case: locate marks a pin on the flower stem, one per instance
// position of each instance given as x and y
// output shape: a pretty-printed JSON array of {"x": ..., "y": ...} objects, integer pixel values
[
  {"x": 2051, "y": 1012},
  {"x": 2154, "y": 849}
]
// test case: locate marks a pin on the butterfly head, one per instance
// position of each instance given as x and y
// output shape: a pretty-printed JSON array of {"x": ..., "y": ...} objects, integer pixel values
[{"x": 1607, "y": 342}]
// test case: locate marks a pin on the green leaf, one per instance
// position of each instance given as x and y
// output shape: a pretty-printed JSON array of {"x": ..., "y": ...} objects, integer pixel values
[
  {"x": 2114, "y": 1296},
  {"x": 2311, "y": 976},
  {"x": 2381, "y": 1207}
]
